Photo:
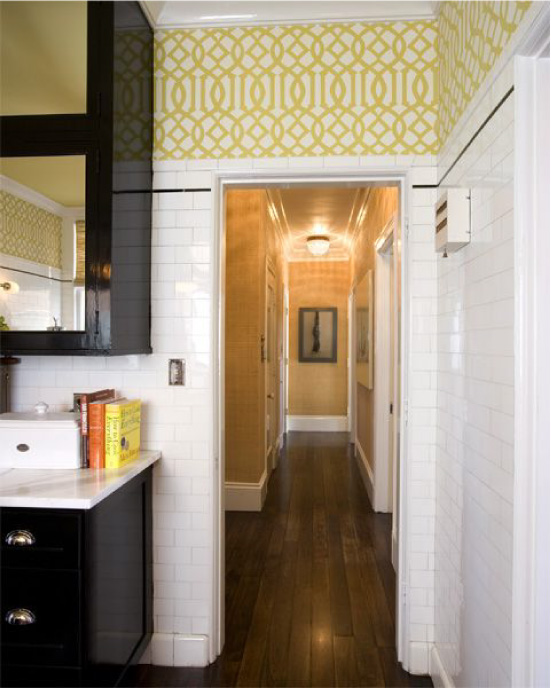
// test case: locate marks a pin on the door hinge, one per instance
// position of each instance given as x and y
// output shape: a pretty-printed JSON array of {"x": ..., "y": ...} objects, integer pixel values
[
  {"x": 98, "y": 161},
  {"x": 404, "y": 593},
  {"x": 391, "y": 407},
  {"x": 96, "y": 329}
]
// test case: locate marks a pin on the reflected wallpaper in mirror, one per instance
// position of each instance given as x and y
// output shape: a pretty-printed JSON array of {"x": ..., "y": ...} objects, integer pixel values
[{"x": 42, "y": 243}]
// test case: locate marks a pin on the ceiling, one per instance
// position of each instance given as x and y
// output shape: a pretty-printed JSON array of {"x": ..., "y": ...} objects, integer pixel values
[
  {"x": 180, "y": 13},
  {"x": 42, "y": 58},
  {"x": 333, "y": 211},
  {"x": 59, "y": 178}
]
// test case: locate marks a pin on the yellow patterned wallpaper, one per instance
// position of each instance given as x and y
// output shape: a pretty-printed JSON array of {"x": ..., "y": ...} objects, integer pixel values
[
  {"x": 472, "y": 37},
  {"x": 132, "y": 95},
  {"x": 329, "y": 89},
  {"x": 29, "y": 232}
]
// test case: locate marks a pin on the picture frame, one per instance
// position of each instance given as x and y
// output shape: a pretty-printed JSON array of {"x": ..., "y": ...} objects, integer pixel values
[{"x": 317, "y": 335}]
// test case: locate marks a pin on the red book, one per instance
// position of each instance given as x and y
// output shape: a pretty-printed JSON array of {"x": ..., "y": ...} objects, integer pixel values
[
  {"x": 85, "y": 400},
  {"x": 96, "y": 432}
]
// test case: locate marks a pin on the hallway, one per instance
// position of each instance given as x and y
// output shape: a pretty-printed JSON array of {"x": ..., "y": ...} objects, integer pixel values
[{"x": 309, "y": 584}]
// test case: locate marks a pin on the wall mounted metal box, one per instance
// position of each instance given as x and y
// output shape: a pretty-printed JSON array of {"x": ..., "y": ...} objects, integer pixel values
[{"x": 453, "y": 220}]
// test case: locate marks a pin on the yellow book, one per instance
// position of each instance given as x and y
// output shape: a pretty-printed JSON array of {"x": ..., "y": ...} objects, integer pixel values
[{"x": 122, "y": 432}]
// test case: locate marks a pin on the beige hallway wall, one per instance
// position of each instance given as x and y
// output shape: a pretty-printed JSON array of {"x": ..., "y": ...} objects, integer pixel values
[
  {"x": 318, "y": 389},
  {"x": 245, "y": 250},
  {"x": 251, "y": 244},
  {"x": 383, "y": 203}
]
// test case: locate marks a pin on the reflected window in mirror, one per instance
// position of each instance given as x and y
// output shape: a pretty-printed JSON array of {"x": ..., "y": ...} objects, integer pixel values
[
  {"x": 43, "y": 58},
  {"x": 42, "y": 243}
]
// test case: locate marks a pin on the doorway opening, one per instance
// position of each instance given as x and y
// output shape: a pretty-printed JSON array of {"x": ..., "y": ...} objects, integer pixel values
[{"x": 309, "y": 352}]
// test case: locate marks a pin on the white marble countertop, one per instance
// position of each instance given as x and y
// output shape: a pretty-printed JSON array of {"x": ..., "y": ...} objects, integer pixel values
[{"x": 79, "y": 489}]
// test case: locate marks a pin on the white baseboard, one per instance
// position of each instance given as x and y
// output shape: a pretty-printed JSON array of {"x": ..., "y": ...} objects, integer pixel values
[
  {"x": 178, "y": 650},
  {"x": 440, "y": 678},
  {"x": 418, "y": 657},
  {"x": 366, "y": 472},
  {"x": 245, "y": 497},
  {"x": 318, "y": 424}
]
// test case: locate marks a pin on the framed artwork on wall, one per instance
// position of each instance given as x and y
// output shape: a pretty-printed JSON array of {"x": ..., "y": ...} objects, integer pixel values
[
  {"x": 317, "y": 335},
  {"x": 364, "y": 330}
]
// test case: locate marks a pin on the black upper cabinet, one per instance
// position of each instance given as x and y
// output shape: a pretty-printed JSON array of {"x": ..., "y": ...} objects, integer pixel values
[{"x": 115, "y": 139}]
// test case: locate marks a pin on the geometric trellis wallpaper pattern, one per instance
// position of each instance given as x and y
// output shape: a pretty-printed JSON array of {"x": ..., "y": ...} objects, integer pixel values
[
  {"x": 29, "y": 232},
  {"x": 132, "y": 95},
  {"x": 472, "y": 37},
  {"x": 306, "y": 90}
]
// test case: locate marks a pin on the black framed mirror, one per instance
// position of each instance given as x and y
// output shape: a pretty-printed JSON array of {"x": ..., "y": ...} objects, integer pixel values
[
  {"x": 48, "y": 246},
  {"x": 104, "y": 263}
]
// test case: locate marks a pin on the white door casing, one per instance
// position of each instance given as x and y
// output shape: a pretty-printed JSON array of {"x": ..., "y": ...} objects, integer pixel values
[
  {"x": 222, "y": 181},
  {"x": 530, "y": 624}
]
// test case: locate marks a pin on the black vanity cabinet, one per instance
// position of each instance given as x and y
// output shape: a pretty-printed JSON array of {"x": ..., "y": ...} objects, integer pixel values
[
  {"x": 76, "y": 590},
  {"x": 115, "y": 135}
]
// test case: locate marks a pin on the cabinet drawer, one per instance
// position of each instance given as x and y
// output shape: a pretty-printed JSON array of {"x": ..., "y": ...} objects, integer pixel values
[
  {"x": 48, "y": 602},
  {"x": 40, "y": 538}
]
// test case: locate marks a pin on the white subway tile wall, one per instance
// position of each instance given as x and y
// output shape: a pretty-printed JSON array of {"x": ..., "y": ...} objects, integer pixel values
[
  {"x": 475, "y": 422},
  {"x": 179, "y": 421}
]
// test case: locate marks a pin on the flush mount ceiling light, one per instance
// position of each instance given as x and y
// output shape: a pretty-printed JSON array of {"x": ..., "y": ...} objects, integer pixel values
[
  {"x": 318, "y": 244},
  {"x": 10, "y": 286}
]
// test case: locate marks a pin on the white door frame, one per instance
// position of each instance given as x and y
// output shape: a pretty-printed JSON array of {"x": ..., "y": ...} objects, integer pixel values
[
  {"x": 285, "y": 356},
  {"x": 351, "y": 367},
  {"x": 223, "y": 180},
  {"x": 530, "y": 624},
  {"x": 382, "y": 480}
]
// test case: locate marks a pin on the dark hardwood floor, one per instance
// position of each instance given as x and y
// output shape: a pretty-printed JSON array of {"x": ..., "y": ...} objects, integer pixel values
[{"x": 309, "y": 583}]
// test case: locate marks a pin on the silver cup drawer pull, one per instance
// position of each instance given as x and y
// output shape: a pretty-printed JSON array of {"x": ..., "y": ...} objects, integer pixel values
[
  {"x": 20, "y": 617},
  {"x": 20, "y": 537}
]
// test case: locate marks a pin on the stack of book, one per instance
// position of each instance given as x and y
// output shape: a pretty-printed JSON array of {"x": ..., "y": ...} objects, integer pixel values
[{"x": 109, "y": 429}]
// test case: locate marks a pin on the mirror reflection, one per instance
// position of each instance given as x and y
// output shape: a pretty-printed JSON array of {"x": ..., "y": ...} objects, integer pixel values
[
  {"x": 42, "y": 243},
  {"x": 43, "y": 58}
]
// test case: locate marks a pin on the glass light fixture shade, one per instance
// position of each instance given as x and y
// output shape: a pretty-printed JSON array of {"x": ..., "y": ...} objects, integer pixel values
[
  {"x": 10, "y": 287},
  {"x": 318, "y": 244}
]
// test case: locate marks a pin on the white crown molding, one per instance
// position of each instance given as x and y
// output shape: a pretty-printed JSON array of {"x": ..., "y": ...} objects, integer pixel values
[
  {"x": 156, "y": 16},
  {"x": 31, "y": 196},
  {"x": 150, "y": 15},
  {"x": 162, "y": 26}
]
